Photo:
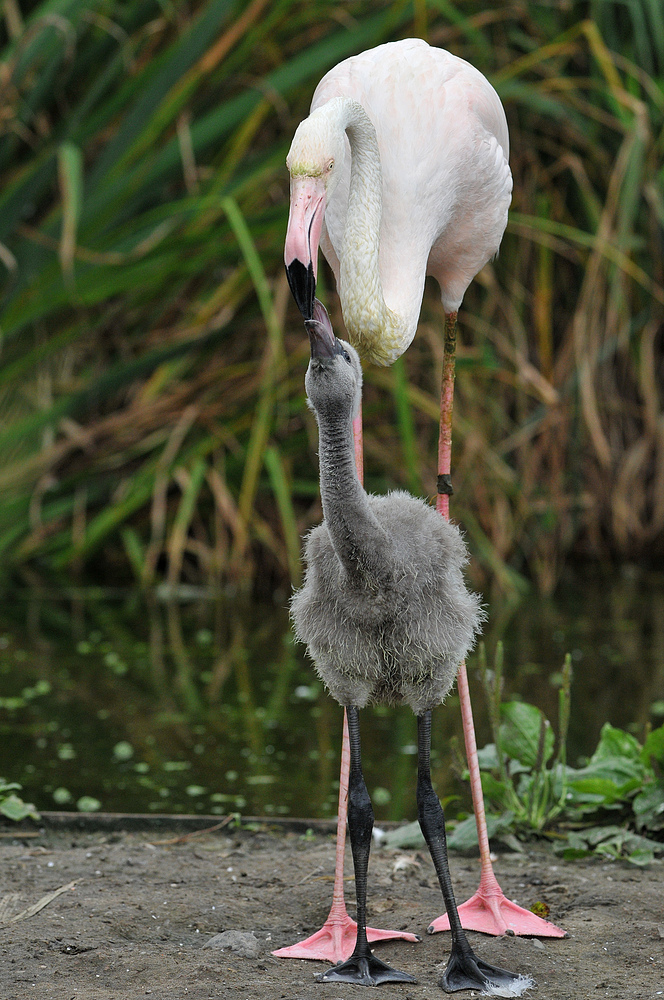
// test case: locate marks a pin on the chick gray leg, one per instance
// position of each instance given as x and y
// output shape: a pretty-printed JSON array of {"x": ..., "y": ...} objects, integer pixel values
[
  {"x": 362, "y": 967},
  {"x": 465, "y": 971}
]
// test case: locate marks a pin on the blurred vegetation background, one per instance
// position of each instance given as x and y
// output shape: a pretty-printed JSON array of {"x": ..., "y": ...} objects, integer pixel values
[{"x": 153, "y": 427}]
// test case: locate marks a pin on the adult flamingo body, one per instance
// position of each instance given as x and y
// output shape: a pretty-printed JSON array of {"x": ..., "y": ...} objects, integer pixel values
[{"x": 399, "y": 171}]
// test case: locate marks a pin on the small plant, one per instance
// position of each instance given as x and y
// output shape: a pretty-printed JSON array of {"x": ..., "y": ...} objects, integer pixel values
[
  {"x": 520, "y": 769},
  {"x": 615, "y": 803},
  {"x": 612, "y": 806},
  {"x": 11, "y": 805}
]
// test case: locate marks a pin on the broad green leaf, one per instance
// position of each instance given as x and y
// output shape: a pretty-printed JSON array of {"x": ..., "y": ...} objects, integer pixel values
[
  {"x": 648, "y": 807},
  {"x": 525, "y": 733},
  {"x": 654, "y": 746},
  {"x": 641, "y": 856},
  {"x": 601, "y": 789},
  {"x": 9, "y": 786},
  {"x": 404, "y": 837},
  {"x": 487, "y": 757},
  {"x": 16, "y": 809},
  {"x": 464, "y": 836},
  {"x": 619, "y": 770},
  {"x": 493, "y": 789},
  {"x": 614, "y": 744}
]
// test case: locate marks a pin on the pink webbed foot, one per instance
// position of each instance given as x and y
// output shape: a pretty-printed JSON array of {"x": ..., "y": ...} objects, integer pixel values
[
  {"x": 335, "y": 941},
  {"x": 492, "y": 913}
]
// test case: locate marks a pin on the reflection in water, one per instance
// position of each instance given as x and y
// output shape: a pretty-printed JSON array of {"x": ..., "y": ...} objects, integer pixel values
[{"x": 205, "y": 705}]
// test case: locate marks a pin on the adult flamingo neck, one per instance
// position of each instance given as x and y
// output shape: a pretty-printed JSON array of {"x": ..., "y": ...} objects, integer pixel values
[{"x": 380, "y": 333}]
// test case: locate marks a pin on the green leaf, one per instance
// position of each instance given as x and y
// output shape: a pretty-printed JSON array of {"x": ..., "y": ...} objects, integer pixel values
[
  {"x": 648, "y": 807},
  {"x": 488, "y": 757},
  {"x": 600, "y": 789},
  {"x": 613, "y": 842},
  {"x": 654, "y": 747},
  {"x": 16, "y": 809},
  {"x": 641, "y": 856},
  {"x": 525, "y": 733},
  {"x": 615, "y": 744},
  {"x": 409, "y": 835},
  {"x": 9, "y": 786},
  {"x": 618, "y": 759},
  {"x": 464, "y": 835},
  {"x": 493, "y": 789}
]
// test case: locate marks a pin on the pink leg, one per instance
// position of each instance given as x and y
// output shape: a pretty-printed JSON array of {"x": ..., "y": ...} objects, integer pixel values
[
  {"x": 335, "y": 941},
  {"x": 359, "y": 444},
  {"x": 488, "y": 910}
]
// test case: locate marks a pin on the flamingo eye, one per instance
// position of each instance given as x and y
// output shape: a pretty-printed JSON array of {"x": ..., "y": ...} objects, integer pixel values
[{"x": 330, "y": 164}]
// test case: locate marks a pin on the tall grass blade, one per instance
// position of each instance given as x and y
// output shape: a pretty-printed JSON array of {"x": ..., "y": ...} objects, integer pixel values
[{"x": 70, "y": 173}]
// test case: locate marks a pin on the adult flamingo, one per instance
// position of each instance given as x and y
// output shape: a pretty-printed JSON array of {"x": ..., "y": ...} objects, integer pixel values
[{"x": 401, "y": 170}]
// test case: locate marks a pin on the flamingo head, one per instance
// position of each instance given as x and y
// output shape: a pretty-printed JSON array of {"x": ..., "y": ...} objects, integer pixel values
[{"x": 314, "y": 162}]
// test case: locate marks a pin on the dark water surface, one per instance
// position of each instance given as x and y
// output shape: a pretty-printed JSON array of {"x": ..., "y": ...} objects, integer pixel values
[{"x": 206, "y": 705}]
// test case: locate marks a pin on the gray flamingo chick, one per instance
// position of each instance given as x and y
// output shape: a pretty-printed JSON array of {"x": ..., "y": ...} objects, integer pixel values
[{"x": 386, "y": 617}]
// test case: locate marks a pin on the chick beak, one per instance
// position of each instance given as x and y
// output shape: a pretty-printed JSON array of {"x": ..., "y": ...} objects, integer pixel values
[{"x": 322, "y": 341}]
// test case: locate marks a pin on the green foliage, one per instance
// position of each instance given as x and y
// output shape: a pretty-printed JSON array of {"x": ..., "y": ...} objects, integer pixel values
[
  {"x": 614, "y": 842},
  {"x": 521, "y": 775},
  {"x": 153, "y": 426},
  {"x": 11, "y": 805},
  {"x": 529, "y": 790},
  {"x": 625, "y": 779}
]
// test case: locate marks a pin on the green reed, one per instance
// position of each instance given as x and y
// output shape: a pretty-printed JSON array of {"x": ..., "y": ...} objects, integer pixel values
[{"x": 153, "y": 424}]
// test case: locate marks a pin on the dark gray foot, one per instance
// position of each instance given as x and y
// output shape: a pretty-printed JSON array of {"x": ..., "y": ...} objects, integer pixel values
[
  {"x": 365, "y": 971},
  {"x": 468, "y": 972}
]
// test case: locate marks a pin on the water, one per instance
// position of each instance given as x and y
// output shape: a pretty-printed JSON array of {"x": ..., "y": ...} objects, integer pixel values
[{"x": 134, "y": 704}]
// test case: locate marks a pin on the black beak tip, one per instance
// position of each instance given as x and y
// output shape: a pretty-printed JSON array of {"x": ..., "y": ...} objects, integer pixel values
[{"x": 302, "y": 283}]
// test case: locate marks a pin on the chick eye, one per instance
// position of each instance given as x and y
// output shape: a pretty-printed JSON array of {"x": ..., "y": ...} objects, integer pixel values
[{"x": 346, "y": 356}]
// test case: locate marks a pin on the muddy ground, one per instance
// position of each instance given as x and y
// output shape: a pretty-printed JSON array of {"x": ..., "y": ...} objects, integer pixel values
[{"x": 141, "y": 905}]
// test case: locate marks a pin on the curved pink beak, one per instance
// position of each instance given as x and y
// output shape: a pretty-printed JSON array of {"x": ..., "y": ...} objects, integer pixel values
[{"x": 305, "y": 222}]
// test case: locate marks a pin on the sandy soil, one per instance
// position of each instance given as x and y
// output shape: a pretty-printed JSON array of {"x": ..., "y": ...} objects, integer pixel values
[{"x": 141, "y": 905}]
